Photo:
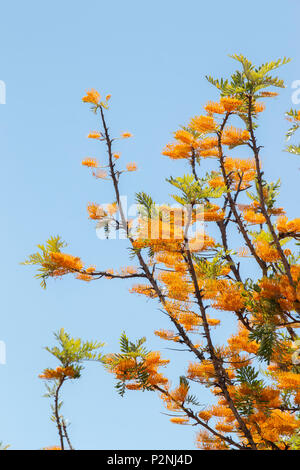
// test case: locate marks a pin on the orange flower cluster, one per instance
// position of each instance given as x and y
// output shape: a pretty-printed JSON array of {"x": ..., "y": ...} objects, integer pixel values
[
  {"x": 143, "y": 289},
  {"x": 92, "y": 96},
  {"x": 239, "y": 165},
  {"x": 253, "y": 217},
  {"x": 127, "y": 369},
  {"x": 131, "y": 166},
  {"x": 87, "y": 275},
  {"x": 266, "y": 251},
  {"x": 205, "y": 415},
  {"x": 203, "y": 372},
  {"x": 208, "y": 143},
  {"x": 90, "y": 162},
  {"x": 214, "y": 108},
  {"x": 178, "y": 151},
  {"x": 95, "y": 211},
  {"x": 279, "y": 289},
  {"x": 272, "y": 427},
  {"x": 216, "y": 182},
  {"x": 186, "y": 138},
  {"x": 231, "y": 298},
  {"x": 233, "y": 136},
  {"x": 266, "y": 423},
  {"x": 173, "y": 399},
  {"x": 259, "y": 107},
  {"x": 289, "y": 227},
  {"x": 207, "y": 441},
  {"x": 268, "y": 94},
  {"x": 179, "y": 420},
  {"x": 203, "y": 124},
  {"x": 177, "y": 285},
  {"x": 213, "y": 213},
  {"x": 210, "y": 287},
  {"x": 52, "y": 448},
  {"x": 230, "y": 104},
  {"x": 171, "y": 260},
  {"x": 288, "y": 381},
  {"x": 167, "y": 335},
  {"x": 94, "y": 135},
  {"x": 240, "y": 342},
  {"x": 65, "y": 263},
  {"x": 240, "y": 171},
  {"x": 210, "y": 153},
  {"x": 188, "y": 146},
  {"x": 58, "y": 373}
]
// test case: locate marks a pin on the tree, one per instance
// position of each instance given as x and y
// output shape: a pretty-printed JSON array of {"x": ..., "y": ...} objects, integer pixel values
[
  {"x": 71, "y": 353},
  {"x": 254, "y": 376}
]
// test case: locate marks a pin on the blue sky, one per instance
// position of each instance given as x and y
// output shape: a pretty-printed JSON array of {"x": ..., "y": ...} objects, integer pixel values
[{"x": 152, "y": 57}]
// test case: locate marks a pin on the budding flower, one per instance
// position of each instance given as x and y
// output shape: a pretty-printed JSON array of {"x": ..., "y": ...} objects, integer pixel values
[
  {"x": 131, "y": 166},
  {"x": 94, "y": 135},
  {"x": 126, "y": 135}
]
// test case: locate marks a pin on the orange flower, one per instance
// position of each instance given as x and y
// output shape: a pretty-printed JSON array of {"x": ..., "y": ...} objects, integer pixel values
[
  {"x": 95, "y": 211},
  {"x": 216, "y": 182},
  {"x": 259, "y": 107},
  {"x": 266, "y": 251},
  {"x": 179, "y": 420},
  {"x": 131, "y": 166},
  {"x": 253, "y": 217},
  {"x": 230, "y": 104},
  {"x": 203, "y": 124},
  {"x": 222, "y": 427},
  {"x": 285, "y": 226},
  {"x": 213, "y": 107},
  {"x": 84, "y": 277},
  {"x": 112, "y": 208},
  {"x": 177, "y": 151},
  {"x": 233, "y": 136},
  {"x": 208, "y": 143},
  {"x": 52, "y": 448},
  {"x": 230, "y": 298},
  {"x": 94, "y": 135},
  {"x": 126, "y": 135},
  {"x": 167, "y": 335},
  {"x": 205, "y": 415},
  {"x": 92, "y": 96},
  {"x": 185, "y": 137},
  {"x": 90, "y": 162},
  {"x": 268, "y": 94},
  {"x": 69, "y": 262},
  {"x": 214, "y": 152},
  {"x": 58, "y": 373}
]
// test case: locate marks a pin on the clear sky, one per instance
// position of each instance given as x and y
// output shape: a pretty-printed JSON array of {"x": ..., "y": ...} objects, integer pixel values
[{"x": 152, "y": 57}]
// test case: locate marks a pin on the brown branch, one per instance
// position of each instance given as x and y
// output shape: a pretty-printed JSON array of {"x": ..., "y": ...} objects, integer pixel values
[
  {"x": 56, "y": 413},
  {"x": 219, "y": 370},
  {"x": 66, "y": 435},
  {"x": 231, "y": 201},
  {"x": 148, "y": 274},
  {"x": 263, "y": 208},
  {"x": 192, "y": 415}
]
